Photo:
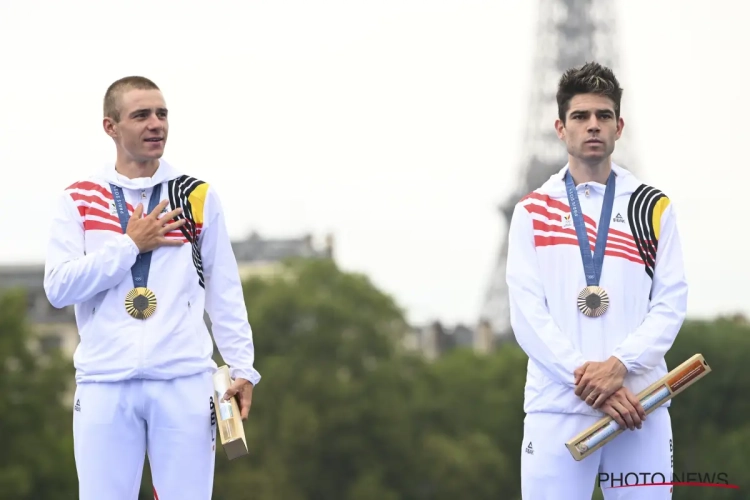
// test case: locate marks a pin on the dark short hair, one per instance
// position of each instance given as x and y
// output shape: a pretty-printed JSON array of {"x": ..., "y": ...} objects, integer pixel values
[
  {"x": 590, "y": 78},
  {"x": 112, "y": 96}
]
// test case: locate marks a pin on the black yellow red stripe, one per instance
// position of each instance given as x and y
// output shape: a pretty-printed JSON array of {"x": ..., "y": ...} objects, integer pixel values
[{"x": 645, "y": 209}]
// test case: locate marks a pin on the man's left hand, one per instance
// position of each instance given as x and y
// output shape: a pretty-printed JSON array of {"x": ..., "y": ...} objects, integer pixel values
[
  {"x": 597, "y": 381},
  {"x": 243, "y": 389}
]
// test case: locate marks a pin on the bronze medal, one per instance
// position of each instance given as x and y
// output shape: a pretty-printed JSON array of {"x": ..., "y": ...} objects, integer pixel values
[
  {"x": 140, "y": 303},
  {"x": 593, "y": 301}
]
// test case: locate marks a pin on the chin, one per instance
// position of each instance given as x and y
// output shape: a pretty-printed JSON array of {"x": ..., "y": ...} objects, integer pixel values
[
  {"x": 592, "y": 158},
  {"x": 153, "y": 155}
]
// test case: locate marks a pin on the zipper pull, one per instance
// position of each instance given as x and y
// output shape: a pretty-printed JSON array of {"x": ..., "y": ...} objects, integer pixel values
[{"x": 143, "y": 200}]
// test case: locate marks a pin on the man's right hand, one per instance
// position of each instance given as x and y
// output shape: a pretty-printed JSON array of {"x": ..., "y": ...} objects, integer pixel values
[
  {"x": 624, "y": 407},
  {"x": 148, "y": 232}
]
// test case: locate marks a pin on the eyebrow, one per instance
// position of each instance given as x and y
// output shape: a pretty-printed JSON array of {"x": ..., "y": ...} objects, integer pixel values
[
  {"x": 586, "y": 111},
  {"x": 147, "y": 110}
]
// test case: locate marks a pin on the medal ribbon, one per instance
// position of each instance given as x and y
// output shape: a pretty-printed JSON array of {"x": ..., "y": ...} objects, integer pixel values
[
  {"x": 592, "y": 267},
  {"x": 143, "y": 261}
]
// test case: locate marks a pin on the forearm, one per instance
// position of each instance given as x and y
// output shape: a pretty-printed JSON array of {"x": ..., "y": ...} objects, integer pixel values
[
  {"x": 232, "y": 331},
  {"x": 645, "y": 348},
  {"x": 542, "y": 341},
  {"x": 225, "y": 301},
  {"x": 70, "y": 279}
]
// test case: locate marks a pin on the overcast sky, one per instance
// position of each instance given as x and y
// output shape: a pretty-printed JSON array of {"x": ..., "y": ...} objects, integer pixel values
[{"x": 396, "y": 125}]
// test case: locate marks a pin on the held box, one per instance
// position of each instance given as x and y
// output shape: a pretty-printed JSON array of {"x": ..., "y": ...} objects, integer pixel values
[
  {"x": 228, "y": 418},
  {"x": 658, "y": 393}
]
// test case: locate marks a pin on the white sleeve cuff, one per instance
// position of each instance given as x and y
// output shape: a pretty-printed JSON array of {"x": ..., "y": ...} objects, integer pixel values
[{"x": 251, "y": 375}]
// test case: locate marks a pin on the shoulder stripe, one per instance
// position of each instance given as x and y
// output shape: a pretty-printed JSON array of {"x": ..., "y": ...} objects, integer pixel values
[
  {"x": 552, "y": 227},
  {"x": 95, "y": 205},
  {"x": 189, "y": 194},
  {"x": 645, "y": 208}
]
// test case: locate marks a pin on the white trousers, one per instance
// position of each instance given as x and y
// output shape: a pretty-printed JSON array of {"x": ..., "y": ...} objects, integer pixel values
[
  {"x": 116, "y": 424},
  {"x": 549, "y": 472}
]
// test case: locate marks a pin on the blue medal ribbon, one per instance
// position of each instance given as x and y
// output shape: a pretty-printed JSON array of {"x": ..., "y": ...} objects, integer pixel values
[
  {"x": 143, "y": 262},
  {"x": 592, "y": 266}
]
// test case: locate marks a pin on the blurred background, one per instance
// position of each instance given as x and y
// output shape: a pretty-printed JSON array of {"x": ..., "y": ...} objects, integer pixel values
[{"x": 373, "y": 150}]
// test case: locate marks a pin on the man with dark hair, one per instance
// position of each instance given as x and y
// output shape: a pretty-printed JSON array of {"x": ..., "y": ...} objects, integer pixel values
[
  {"x": 141, "y": 250},
  {"x": 597, "y": 294}
]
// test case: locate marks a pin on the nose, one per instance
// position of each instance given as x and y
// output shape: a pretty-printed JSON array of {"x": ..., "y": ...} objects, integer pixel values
[
  {"x": 593, "y": 125},
  {"x": 154, "y": 122}
]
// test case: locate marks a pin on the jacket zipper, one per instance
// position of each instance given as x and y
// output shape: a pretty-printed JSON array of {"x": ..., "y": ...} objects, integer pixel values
[{"x": 143, "y": 323}]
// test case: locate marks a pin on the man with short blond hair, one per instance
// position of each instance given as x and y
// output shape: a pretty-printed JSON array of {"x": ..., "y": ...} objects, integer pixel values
[{"x": 141, "y": 250}]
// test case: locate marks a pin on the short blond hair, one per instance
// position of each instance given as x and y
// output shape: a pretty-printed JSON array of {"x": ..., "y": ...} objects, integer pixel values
[{"x": 112, "y": 96}]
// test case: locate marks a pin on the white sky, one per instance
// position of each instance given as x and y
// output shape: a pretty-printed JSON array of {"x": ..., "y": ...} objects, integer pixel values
[{"x": 396, "y": 125}]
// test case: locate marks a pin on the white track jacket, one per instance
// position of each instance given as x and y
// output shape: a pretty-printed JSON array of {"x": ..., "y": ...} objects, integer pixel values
[
  {"x": 642, "y": 273},
  {"x": 89, "y": 262}
]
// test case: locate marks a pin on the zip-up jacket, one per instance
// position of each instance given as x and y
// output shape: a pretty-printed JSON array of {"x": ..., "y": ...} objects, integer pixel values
[
  {"x": 89, "y": 262},
  {"x": 642, "y": 273}
]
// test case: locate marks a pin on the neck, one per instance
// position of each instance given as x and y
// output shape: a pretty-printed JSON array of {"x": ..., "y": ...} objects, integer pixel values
[
  {"x": 134, "y": 169},
  {"x": 588, "y": 172}
]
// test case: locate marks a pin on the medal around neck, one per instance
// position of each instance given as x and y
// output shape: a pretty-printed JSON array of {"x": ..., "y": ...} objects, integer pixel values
[
  {"x": 140, "y": 302},
  {"x": 593, "y": 300}
]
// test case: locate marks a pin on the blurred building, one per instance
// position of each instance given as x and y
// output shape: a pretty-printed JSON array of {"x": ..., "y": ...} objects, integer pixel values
[
  {"x": 56, "y": 328},
  {"x": 435, "y": 339},
  {"x": 257, "y": 256}
]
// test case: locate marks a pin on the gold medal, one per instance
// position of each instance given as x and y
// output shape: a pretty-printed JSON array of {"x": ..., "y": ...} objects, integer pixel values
[
  {"x": 140, "y": 303},
  {"x": 593, "y": 301}
]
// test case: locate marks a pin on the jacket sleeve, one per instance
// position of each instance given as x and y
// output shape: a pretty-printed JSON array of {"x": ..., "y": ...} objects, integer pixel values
[
  {"x": 533, "y": 326},
  {"x": 644, "y": 349},
  {"x": 225, "y": 302},
  {"x": 73, "y": 276}
]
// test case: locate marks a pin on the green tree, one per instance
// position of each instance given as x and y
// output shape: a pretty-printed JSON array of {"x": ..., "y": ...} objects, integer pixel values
[
  {"x": 710, "y": 419},
  {"x": 35, "y": 422},
  {"x": 470, "y": 410},
  {"x": 331, "y": 417}
]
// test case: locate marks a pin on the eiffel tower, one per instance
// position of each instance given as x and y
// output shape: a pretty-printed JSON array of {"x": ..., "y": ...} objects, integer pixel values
[{"x": 569, "y": 33}]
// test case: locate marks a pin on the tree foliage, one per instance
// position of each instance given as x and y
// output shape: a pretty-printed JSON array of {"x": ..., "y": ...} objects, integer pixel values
[
  {"x": 35, "y": 415},
  {"x": 344, "y": 413}
]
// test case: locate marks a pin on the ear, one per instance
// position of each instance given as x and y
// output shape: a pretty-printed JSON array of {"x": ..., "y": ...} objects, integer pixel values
[
  {"x": 620, "y": 126},
  {"x": 110, "y": 127},
  {"x": 560, "y": 128}
]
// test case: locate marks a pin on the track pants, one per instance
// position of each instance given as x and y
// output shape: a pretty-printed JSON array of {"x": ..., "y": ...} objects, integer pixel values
[
  {"x": 549, "y": 472},
  {"x": 116, "y": 424}
]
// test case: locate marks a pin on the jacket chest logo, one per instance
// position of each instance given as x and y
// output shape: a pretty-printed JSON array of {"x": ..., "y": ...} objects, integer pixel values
[{"x": 567, "y": 220}]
